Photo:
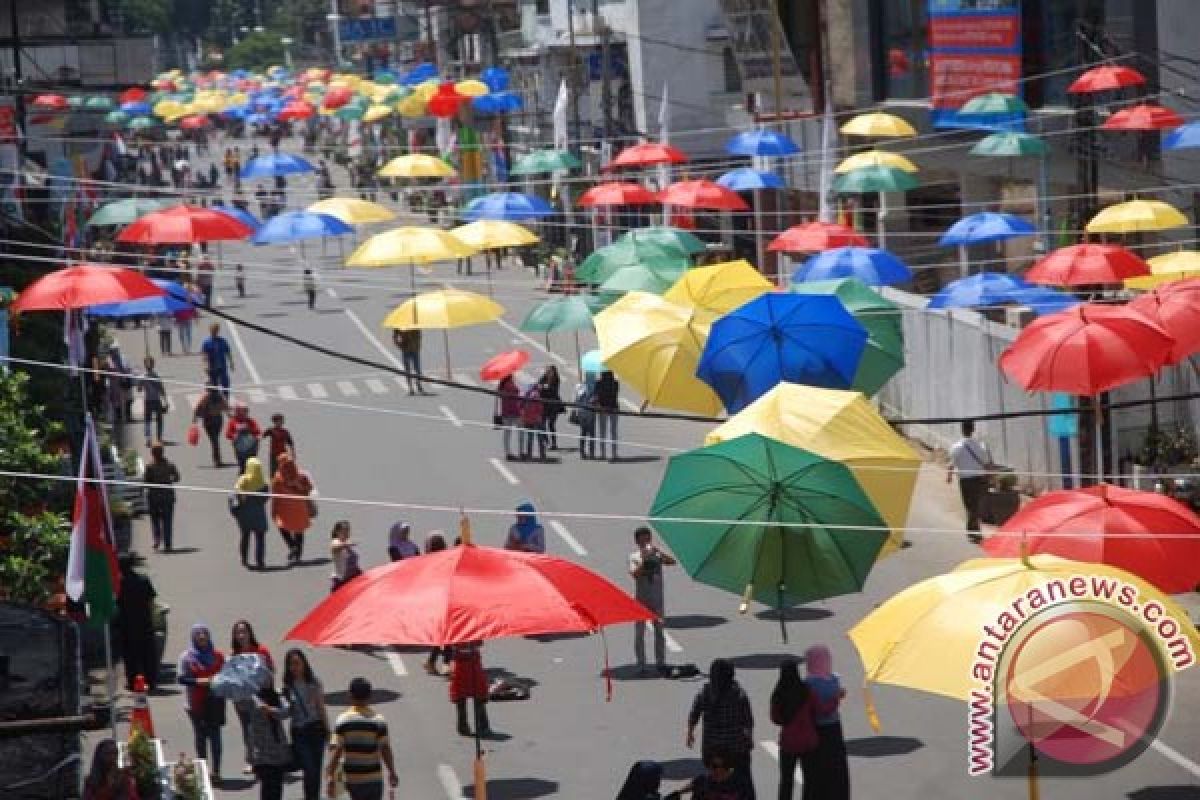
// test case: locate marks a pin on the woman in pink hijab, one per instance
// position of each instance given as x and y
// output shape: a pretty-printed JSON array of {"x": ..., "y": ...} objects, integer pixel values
[{"x": 831, "y": 778}]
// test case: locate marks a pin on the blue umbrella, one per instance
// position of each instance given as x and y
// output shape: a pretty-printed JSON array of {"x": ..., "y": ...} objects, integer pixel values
[
  {"x": 592, "y": 363},
  {"x": 137, "y": 108},
  {"x": 1043, "y": 300},
  {"x": 761, "y": 143},
  {"x": 1183, "y": 137},
  {"x": 241, "y": 677},
  {"x": 983, "y": 289},
  {"x": 167, "y": 303},
  {"x": 419, "y": 74},
  {"x": 244, "y": 217},
  {"x": 986, "y": 226},
  {"x": 870, "y": 265},
  {"x": 510, "y": 206},
  {"x": 746, "y": 179},
  {"x": 809, "y": 339},
  {"x": 497, "y": 103},
  {"x": 274, "y": 164},
  {"x": 496, "y": 78},
  {"x": 259, "y": 119},
  {"x": 295, "y": 226}
]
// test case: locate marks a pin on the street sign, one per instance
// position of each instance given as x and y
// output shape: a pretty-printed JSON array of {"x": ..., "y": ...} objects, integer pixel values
[
  {"x": 367, "y": 29},
  {"x": 1064, "y": 426}
]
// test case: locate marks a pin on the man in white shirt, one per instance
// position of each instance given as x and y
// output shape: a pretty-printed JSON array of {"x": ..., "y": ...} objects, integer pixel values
[
  {"x": 972, "y": 460},
  {"x": 645, "y": 567}
]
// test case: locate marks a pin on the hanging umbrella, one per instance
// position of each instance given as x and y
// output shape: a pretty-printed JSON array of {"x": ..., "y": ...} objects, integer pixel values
[
  {"x": 245, "y": 217},
  {"x": 1145, "y": 117},
  {"x": 490, "y": 234},
  {"x": 1137, "y": 216},
  {"x": 1087, "y": 264},
  {"x": 986, "y": 226},
  {"x": 604, "y": 262},
  {"x": 994, "y": 103},
  {"x": 1174, "y": 308},
  {"x": 142, "y": 123},
  {"x": 872, "y": 266},
  {"x": 509, "y": 206},
  {"x": 654, "y": 347},
  {"x": 569, "y": 313},
  {"x": 702, "y": 194},
  {"x": 296, "y": 226},
  {"x": 503, "y": 364},
  {"x": 1106, "y": 79},
  {"x": 664, "y": 235},
  {"x": 875, "y": 158},
  {"x": 643, "y": 278},
  {"x": 878, "y": 124},
  {"x": 377, "y": 113},
  {"x": 540, "y": 162},
  {"x": 843, "y": 427},
  {"x": 194, "y": 123},
  {"x": 617, "y": 194},
  {"x": 869, "y": 180},
  {"x": 1110, "y": 525},
  {"x": 883, "y": 356},
  {"x": 445, "y": 308},
  {"x": 719, "y": 288},
  {"x": 295, "y": 110},
  {"x": 173, "y": 298},
  {"x": 83, "y": 285},
  {"x": 1167, "y": 268},
  {"x": 747, "y": 179},
  {"x": 1042, "y": 300},
  {"x": 805, "y": 530},
  {"x": 1011, "y": 145},
  {"x": 275, "y": 164},
  {"x": 592, "y": 363},
  {"x": 241, "y": 677},
  {"x": 807, "y": 339},
  {"x": 99, "y": 102},
  {"x": 417, "y": 165},
  {"x": 116, "y": 118},
  {"x": 647, "y": 154},
  {"x": 184, "y": 224},
  {"x": 123, "y": 212},
  {"x": 1184, "y": 137},
  {"x": 814, "y": 237},
  {"x": 981, "y": 289},
  {"x": 761, "y": 142},
  {"x": 353, "y": 211},
  {"x": 411, "y": 246}
]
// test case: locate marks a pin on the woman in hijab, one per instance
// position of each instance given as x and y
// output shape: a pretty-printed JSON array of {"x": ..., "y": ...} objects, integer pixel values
[
  {"x": 793, "y": 709},
  {"x": 831, "y": 778},
  {"x": 728, "y": 719},
  {"x": 291, "y": 514},
  {"x": 197, "y": 666},
  {"x": 105, "y": 780},
  {"x": 642, "y": 782},
  {"x": 526, "y": 534},
  {"x": 250, "y": 511}
]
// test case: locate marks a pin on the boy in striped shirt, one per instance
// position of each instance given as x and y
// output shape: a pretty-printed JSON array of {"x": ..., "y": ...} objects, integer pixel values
[{"x": 361, "y": 748}]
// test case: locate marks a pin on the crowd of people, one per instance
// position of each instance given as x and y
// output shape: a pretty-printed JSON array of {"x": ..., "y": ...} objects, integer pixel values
[{"x": 530, "y": 415}]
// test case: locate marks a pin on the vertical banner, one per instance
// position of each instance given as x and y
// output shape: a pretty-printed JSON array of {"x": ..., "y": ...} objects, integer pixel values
[{"x": 974, "y": 48}]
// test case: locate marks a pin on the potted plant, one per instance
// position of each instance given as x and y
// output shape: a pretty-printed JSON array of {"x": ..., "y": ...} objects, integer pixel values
[
  {"x": 185, "y": 781},
  {"x": 143, "y": 765}
]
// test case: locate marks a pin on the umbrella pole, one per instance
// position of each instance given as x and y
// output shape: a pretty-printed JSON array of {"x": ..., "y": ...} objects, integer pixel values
[
  {"x": 964, "y": 262},
  {"x": 446, "y": 340},
  {"x": 578, "y": 356},
  {"x": 412, "y": 276},
  {"x": 782, "y": 615},
  {"x": 881, "y": 221}
]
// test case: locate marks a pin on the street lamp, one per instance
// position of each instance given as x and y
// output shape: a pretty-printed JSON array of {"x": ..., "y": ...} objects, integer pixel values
[
  {"x": 286, "y": 41},
  {"x": 333, "y": 16}
]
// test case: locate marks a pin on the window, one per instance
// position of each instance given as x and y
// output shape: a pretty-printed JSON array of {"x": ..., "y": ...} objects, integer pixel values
[
  {"x": 903, "y": 36},
  {"x": 733, "y": 78},
  {"x": 542, "y": 7}
]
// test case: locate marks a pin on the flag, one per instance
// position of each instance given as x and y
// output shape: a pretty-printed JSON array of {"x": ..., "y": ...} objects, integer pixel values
[
  {"x": 559, "y": 117},
  {"x": 664, "y": 136},
  {"x": 92, "y": 574}
]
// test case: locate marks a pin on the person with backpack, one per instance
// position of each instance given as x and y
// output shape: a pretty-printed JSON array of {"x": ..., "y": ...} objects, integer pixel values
[
  {"x": 728, "y": 730},
  {"x": 533, "y": 414},
  {"x": 243, "y": 433},
  {"x": 345, "y": 558},
  {"x": 793, "y": 709},
  {"x": 279, "y": 440},
  {"x": 526, "y": 534},
  {"x": 607, "y": 393},
  {"x": 249, "y": 508},
  {"x": 584, "y": 415}
]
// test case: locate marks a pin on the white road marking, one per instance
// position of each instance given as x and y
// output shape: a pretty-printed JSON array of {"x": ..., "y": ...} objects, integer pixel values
[
  {"x": 450, "y": 415},
  {"x": 193, "y": 400},
  {"x": 450, "y": 782},
  {"x": 1175, "y": 756},
  {"x": 377, "y": 386},
  {"x": 331, "y": 293},
  {"x": 628, "y": 405},
  {"x": 504, "y": 471},
  {"x": 383, "y": 351},
  {"x": 347, "y": 388},
  {"x": 566, "y": 536},
  {"x": 244, "y": 354},
  {"x": 397, "y": 663},
  {"x": 772, "y": 749},
  {"x": 531, "y": 341},
  {"x": 286, "y": 393},
  {"x": 672, "y": 645},
  {"x": 464, "y": 379},
  {"x": 257, "y": 396},
  {"x": 317, "y": 391}
]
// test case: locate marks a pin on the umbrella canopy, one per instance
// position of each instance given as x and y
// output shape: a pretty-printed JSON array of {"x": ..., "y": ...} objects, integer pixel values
[
  {"x": 1106, "y": 79},
  {"x": 643, "y": 278},
  {"x": 569, "y": 313},
  {"x": 409, "y": 245},
  {"x": 1137, "y": 216},
  {"x": 702, "y": 194},
  {"x": 540, "y": 162},
  {"x": 510, "y": 206},
  {"x": 883, "y": 356},
  {"x": 875, "y": 158},
  {"x": 878, "y": 124},
  {"x": 761, "y": 142},
  {"x": 654, "y": 346},
  {"x": 981, "y": 289},
  {"x": 376, "y": 113},
  {"x": 1010, "y": 145},
  {"x": 617, "y": 194},
  {"x": 352, "y": 210},
  {"x": 83, "y": 285},
  {"x": 123, "y": 212},
  {"x": 489, "y": 234},
  {"x": 446, "y": 308},
  {"x": 1087, "y": 264},
  {"x": 991, "y": 103},
  {"x": 591, "y": 363},
  {"x": 868, "y": 180},
  {"x": 1167, "y": 268},
  {"x": 814, "y": 237},
  {"x": 841, "y": 426},
  {"x": 50, "y": 102},
  {"x": 604, "y": 262},
  {"x": 666, "y": 236},
  {"x": 1042, "y": 300},
  {"x": 99, "y": 102},
  {"x": 173, "y": 298},
  {"x": 1145, "y": 117},
  {"x": 294, "y": 110},
  {"x": 184, "y": 225},
  {"x": 986, "y": 226},
  {"x": 747, "y": 179},
  {"x": 805, "y": 529},
  {"x": 466, "y": 594},
  {"x": 719, "y": 288},
  {"x": 275, "y": 164},
  {"x": 870, "y": 265},
  {"x": 503, "y": 364},
  {"x": 809, "y": 339},
  {"x": 296, "y": 226},
  {"x": 1184, "y": 137},
  {"x": 1109, "y": 525},
  {"x": 417, "y": 165},
  {"x": 242, "y": 677},
  {"x": 1175, "y": 309},
  {"x": 1086, "y": 350},
  {"x": 647, "y": 154},
  {"x": 245, "y": 217}
]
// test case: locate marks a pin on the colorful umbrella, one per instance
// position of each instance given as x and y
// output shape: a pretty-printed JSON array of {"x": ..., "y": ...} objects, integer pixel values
[
  {"x": 1145, "y": 117},
  {"x": 417, "y": 165},
  {"x": 295, "y": 110},
  {"x": 1167, "y": 268},
  {"x": 241, "y": 215},
  {"x": 878, "y": 124},
  {"x": 702, "y": 194},
  {"x": 1183, "y": 137},
  {"x": 1137, "y": 216},
  {"x": 604, "y": 262},
  {"x": 445, "y": 308},
  {"x": 814, "y": 237},
  {"x": 1010, "y": 145},
  {"x": 490, "y": 234},
  {"x": 1087, "y": 264},
  {"x": 981, "y": 289},
  {"x": 510, "y": 206},
  {"x": 503, "y": 364},
  {"x": 647, "y": 154},
  {"x": 1175, "y": 309},
  {"x": 747, "y": 179},
  {"x": 540, "y": 162},
  {"x": 643, "y": 278},
  {"x": 184, "y": 224},
  {"x": 617, "y": 194},
  {"x": 296, "y": 226},
  {"x": 875, "y": 158},
  {"x": 663, "y": 235},
  {"x": 123, "y": 212},
  {"x": 872, "y": 266},
  {"x": 1106, "y": 79},
  {"x": 1043, "y": 301},
  {"x": 83, "y": 285},
  {"x": 761, "y": 142},
  {"x": 99, "y": 102},
  {"x": 719, "y": 288},
  {"x": 869, "y": 180},
  {"x": 409, "y": 245},
  {"x": 568, "y": 313},
  {"x": 986, "y": 226},
  {"x": 994, "y": 103},
  {"x": 173, "y": 298},
  {"x": 353, "y": 211},
  {"x": 275, "y": 164}
]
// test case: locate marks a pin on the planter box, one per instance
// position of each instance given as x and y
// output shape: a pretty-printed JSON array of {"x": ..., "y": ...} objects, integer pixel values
[{"x": 166, "y": 769}]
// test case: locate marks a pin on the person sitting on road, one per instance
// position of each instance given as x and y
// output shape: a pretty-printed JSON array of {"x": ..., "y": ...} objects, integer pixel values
[{"x": 526, "y": 534}]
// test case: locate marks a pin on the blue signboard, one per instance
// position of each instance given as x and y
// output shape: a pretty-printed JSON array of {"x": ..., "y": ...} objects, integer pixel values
[
  {"x": 1064, "y": 426},
  {"x": 974, "y": 48},
  {"x": 367, "y": 29}
]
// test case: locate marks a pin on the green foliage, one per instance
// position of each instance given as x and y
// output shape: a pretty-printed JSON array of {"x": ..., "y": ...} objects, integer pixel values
[
  {"x": 142, "y": 763},
  {"x": 1168, "y": 447},
  {"x": 147, "y": 16},
  {"x": 33, "y": 556},
  {"x": 256, "y": 52}
]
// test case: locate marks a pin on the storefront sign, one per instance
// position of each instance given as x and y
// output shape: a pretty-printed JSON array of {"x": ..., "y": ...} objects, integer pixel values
[{"x": 975, "y": 48}]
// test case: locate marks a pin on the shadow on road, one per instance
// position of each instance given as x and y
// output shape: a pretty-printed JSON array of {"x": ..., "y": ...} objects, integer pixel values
[
  {"x": 272, "y": 314},
  {"x": 1166, "y": 793},
  {"x": 547, "y": 638},
  {"x": 683, "y": 622},
  {"x": 796, "y": 614},
  {"x": 179, "y": 551},
  {"x": 515, "y": 788},
  {"x": 880, "y": 746},
  {"x": 378, "y": 697},
  {"x": 761, "y": 660},
  {"x": 635, "y": 459}
]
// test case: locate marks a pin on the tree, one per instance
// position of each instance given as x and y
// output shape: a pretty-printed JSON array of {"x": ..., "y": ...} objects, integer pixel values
[
  {"x": 148, "y": 16},
  {"x": 256, "y": 52}
]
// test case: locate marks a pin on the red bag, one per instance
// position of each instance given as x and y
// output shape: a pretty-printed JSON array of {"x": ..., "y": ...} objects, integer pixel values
[
  {"x": 193, "y": 434},
  {"x": 799, "y": 734}
]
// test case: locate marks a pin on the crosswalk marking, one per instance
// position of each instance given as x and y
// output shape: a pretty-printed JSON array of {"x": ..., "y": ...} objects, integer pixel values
[
  {"x": 377, "y": 386},
  {"x": 629, "y": 406},
  {"x": 286, "y": 393},
  {"x": 317, "y": 391},
  {"x": 566, "y": 536},
  {"x": 450, "y": 415},
  {"x": 504, "y": 471},
  {"x": 451, "y": 785},
  {"x": 347, "y": 388},
  {"x": 396, "y": 663}
]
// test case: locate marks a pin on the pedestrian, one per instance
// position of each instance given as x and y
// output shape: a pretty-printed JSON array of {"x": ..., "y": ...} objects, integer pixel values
[
  {"x": 309, "y": 721},
  {"x": 468, "y": 681},
  {"x": 409, "y": 342},
  {"x": 165, "y": 323},
  {"x": 507, "y": 412},
  {"x": 643, "y": 782},
  {"x": 198, "y": 664},
  {"x": 218, "y": 358},
  {"x": 242, "y": 641},
  {"x": 227, "y": 159},
  {"x": 120, "y": 384},
  {"x": 722, "y": 780},
  {"x": 972, "y": 461},
  {"x": 243, "y": 433},
  {"x": 135, "y": 624},
  {"x": 549, "y": 387},
  {"x": 345, "y": 558},
  {"x": 361, "y": 748},
  {"x": 154, "y": 401},
  {"x": 728, "y": 731},
  {"x": 830, "y": 767},
  {"x": 400, "y": 545},
  {"x": 584, "y": 415},
  {"x": 160, "y": 497},
  {"x": 290, "y": 505},
  {"x": 607, "y": 394},
  {"x": 533, "y": 414},
  {"x": 205, "y": 274},
  {"x": 106, "y": 780},
  {"x": 239, "y": 279},
  {"x": 435, "y": 542},
  {"x": 526, "y": 534},
  {"x": 268, "y": 751},
  {"x": 184, "y": 319},
  {"x": 793, "y": 709},
  {"x": 646, "y": 568},
  {"x": 279, "y": 441},
  {"x": 310, "y": 288},
  {"x": 250, "y": 510},
  {"x": 210, "y": 411}
]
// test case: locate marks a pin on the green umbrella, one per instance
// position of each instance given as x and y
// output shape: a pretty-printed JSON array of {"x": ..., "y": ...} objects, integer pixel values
[
  {"x": 123, "y": 212},
  {"x": 350, "y": 112},
  {"x": 1009, "y": 144},
  {"x": 763, "y": 484},
  {"x": 116, "y": 117},
  {"x": 644, "y": 278},
  {"x": 662, "y": 234},
  {"x": 867, "y": 180},
  {"x": 541, "y": 161},
  {"x": 99, "y": 102},
  {"x": 602, "y": 263},
  {"x": 570, "y": 313},
  {"x": 142, "y": 123},
  {"x": 599, "y": 301},
  {"x": 994, "y": 103},
  {"x": 75, "y": 101},
  {"x": 884, "y": 354}
]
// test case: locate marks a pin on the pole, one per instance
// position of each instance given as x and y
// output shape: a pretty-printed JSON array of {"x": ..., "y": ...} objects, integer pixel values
[
  {"x": 429, "y": 32},
  {"x": 18, "y": 76},
  {"x": 446, "y": 341},
  {"x": 574, "y": 82},
  {"x": 110, "y": 676},
  {"x": 334, "y": 23},
  {"x": 605, "y": 79},
  {"x": 776, "y": 65}
]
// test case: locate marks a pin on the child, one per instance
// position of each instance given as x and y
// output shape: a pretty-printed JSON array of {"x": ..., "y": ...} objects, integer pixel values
[
  {"x": 310, "y": 287},
  {"x": 239, "y": 280}
]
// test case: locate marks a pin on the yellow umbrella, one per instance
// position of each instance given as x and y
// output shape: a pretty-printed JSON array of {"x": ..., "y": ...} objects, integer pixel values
[
  {"x": 445, "y": 309},
  {"x": 875, "y": 158},
  {"x": 471, "y": 88},
  {"x": 719, "y": 288},
  {"x": 841, "y": 426},
  {"x": 654, "y": 346},
  {"x": 409, "y": 245},
  {"x": 412, "y": 106},
  {"x": 167, "y": 108},
  {"x": 1167, "y": 268},
  {"x": 426, "y": 90},
  {"x": 417, "y": 165},
  {"x": 489, "y": 234},
  {"x": 1136, "y": 216},
  {"x": 878, "y": 124},
  {"x": 376, "y": 113},
  {"x": 352, "y": 210}
]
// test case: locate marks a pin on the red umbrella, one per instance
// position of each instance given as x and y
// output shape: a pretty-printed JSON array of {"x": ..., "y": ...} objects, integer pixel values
[
  {"x": 815, "y": 237},
  {"x": 1145, "y": 117},
  {"x": 51, "y": 102},
  {"x": 134, "y": 94},
  {"x": 83, "y": 285},
  {"x": 1104, "y": 79},
  {"x": 1086, "y": 350},
  {"x": 504, "y": 364},
  {"x": 337, "y": 97},
  {"x": 445, "y": 101},
  {"x": 702, "y": 194},
  {"x": 184, "y": 225},
  {"x": 617, "y": 194},
  {"x": 1084, "y": 264},
  {"x": 1109, "y": 525},
  {"x": 193, "y": 123},
  {"x": 647, "y": 154},
  {"x": 296, "y": 109},
  {"x": 1174, "y": 307}
]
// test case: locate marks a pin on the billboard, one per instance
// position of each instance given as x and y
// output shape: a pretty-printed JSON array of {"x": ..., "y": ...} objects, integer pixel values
[{"x": 974, "y": 48}]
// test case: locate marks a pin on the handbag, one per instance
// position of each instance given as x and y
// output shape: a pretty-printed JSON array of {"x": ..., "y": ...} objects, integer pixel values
[
  {"x": 235, "y": 505},
  {"x": 193, "y": 434}
]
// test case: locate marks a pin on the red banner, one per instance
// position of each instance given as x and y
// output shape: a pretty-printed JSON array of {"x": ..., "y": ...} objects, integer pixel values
[
  {"x": 8, "y": 125},
  {"x": 975, "y": 32},
  {"x": 955, "y": 79}
]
